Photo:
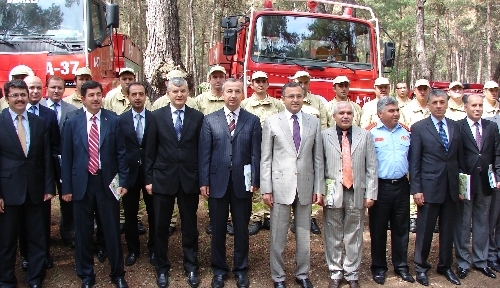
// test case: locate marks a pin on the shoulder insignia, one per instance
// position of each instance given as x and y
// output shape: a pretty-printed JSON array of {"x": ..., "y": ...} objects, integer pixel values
[
  {"x": 405, "y": 127},
  {"x": 371, "y": 126}
]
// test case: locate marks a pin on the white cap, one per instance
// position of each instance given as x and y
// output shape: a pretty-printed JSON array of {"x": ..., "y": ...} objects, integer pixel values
[
  {"x": 21, "y": 70},
  {"x": 340, "y": 79},
  {"x": 83, "y": 71},
  {"x": 382, "y": 81},
  {"x": 301, "y": 74},
  {"x": 217, "y": 68},
  {"x": 455, "y": 83},
  {"x": 126, "y": 70},
  {"x": 259, "y": 74},
  {"x": 490, "y": 85},
  {"x": 422, "y": 82},
  {"x": 176, "y": 74}
]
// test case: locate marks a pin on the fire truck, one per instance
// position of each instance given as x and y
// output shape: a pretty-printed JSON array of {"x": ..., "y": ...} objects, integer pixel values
[
  {"x": 59, "y": 36},
  {"x": 282, "y": 42}
]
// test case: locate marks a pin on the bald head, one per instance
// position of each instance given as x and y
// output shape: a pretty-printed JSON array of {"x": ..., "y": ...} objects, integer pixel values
[{"x": 35, "y": 89}]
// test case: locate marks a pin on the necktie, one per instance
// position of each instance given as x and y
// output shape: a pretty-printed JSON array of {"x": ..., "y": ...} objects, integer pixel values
[
  {"x": 21, "y": 133},
  {"x": 178, "y": 124},
  {"x": 296, "y": 132},
  {"x": 232, "y": 123},
  {"x": 55, "y": 110},
  {"x": 33, "y": 109},
  {"x": 478, "y": 136},
  {"x": 139, "y": 129},
  {"x": 93, "y": 147},
  {"x": 347, "y": 176},
  {"x": 443, "y": 136}
]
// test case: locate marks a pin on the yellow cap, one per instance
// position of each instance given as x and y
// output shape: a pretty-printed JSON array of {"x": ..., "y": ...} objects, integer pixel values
[
  {"x": 83, "y": 71},
  {"x": 176, "y": 74},
  {"x": 21, "y": 70},
  {"x": 340, "y": 79},
  {"x": 422, "y": 82},
  {"x": 490, "y": 85},
  {"x": 126, "y": 70},
  {"x": 301, "y": 74},
  {"x": 259, "y": 74},
  {"x": 455, "y": 83},
  {"x": 217, "y": 68},
  {"x": 382, "y": 81}
]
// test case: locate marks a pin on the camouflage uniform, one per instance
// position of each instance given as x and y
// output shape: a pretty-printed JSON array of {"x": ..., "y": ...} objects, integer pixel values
[
  {"x": 262, "y": 109},
  {"x": 355, "y": 107},
  {"x": 455, "y": 112},
  {"x": 164, "y": 101},
  {"x": 402, "y": 104},
  {"x": 207, "y": 103},
  {"x": 74, "y": 99},
  {"x": 490, "y": 111}
]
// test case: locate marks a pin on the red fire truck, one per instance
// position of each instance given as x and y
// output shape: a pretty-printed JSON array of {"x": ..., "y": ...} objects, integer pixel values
[
  {"x": 326, "y": 45},
  {"x": 59, "y": 36}
]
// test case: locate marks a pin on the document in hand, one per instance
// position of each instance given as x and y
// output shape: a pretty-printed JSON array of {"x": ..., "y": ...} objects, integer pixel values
[
  {"x": 330, "y": 192},
  {"x": 464, "y": 185},
  {"x": 491, "y": 177},
  {"x": 247, "y": 171},
  {"x": 115, "y": 183}
]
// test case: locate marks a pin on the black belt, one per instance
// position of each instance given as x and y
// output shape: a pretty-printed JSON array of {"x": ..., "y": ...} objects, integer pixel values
[
  {"x": 392, "y": 181},
  {"x": 98, "y": 172}
]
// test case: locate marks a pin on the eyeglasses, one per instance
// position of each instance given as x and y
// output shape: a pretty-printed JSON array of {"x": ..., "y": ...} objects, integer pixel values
[
  {"x": 17, "y": 95},
  {"x": 292, "y": 97},
  {"x": 399, "y": 88}
]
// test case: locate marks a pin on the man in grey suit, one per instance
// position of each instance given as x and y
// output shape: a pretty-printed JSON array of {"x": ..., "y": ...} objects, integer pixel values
[
  {"x": 291, "y": 177},
  {"x": 55, "y": 91},
  {"x": 494, "y": 222},
  {"x": 229, "y": 142},
  {"x": 352, "y": 175}
]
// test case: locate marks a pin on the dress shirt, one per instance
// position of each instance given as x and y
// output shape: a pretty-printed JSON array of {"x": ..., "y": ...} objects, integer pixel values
[
  {"x": 445, "y": 126},
  {"x": 143, "y": 118},
  {"x": 174, "y": 114},
  {"x": 227, "y": 112},
  {"x": 37, "y": 111},
  {"x": 89, "y": 125},
  {"x": 290, "y": 121},
  {"x": 392, "y": 150},
  {"x": 340, "y": 134},
  {"x": 26, "y": 125},
  {"x": 473, "y": 127},
  {"x": 58, "y": 107}
]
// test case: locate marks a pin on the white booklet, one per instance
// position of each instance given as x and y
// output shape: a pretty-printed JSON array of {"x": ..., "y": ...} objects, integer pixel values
[
  {"x": 247, "y": 172},
  {"x": 115, "y": 183},
  {"x": 329, "y": 193},
  {"x": 491, "y": 176},
  {"x": 464, "y": 185}
]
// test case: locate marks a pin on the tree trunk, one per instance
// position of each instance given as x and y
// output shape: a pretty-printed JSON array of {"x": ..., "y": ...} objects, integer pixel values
[
  {"x": 434, "y": 51},
  {"x": 489, "y": 33},
  {"x": 420, "y": 45},
  {"x": 163, "y": 51},
  {"x": 212, "y": 29},
  {"x": 496, "y": 76},
  {"x": 409, "y": 63},
  {"x": 480, "y": 65},
  {"x": 457, "y": 64},
  {"x": 139, "y": 25},
  {"x": 193, "y": 43}
]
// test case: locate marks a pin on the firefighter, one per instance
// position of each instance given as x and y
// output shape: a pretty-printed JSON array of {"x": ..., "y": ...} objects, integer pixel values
[
  {"x": 262, "y": 105},
  {"x": 341, "y": 88},
  {"x": 116, "y": 99},
  {"x": 19, "y": 72},
  {"x": 402, "y": 95},
  {"x": 82, "y": 75},
  {"x": 211, "y": 101},
  {"x": 490, "y": 107},
  {"x": 456, "y": 110},
  {"x": 164, "y": 100}
]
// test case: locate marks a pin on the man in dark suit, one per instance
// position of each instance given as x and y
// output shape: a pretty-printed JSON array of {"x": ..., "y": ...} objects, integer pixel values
[
  {"x": 230, "y": 140},
  {"x": 434, "y": 164},
  {"x": 135, "y": 124},
  {"x": 494, "y": 219},
  {"x": 93, "y": 155},
  {"x": 26, "y": 182},
  {"x": 55, "y": 91},
  {"x": 172, "y": 172},
  {"x": 35, "y": 95},
  {"x": 481, "y": 148}
]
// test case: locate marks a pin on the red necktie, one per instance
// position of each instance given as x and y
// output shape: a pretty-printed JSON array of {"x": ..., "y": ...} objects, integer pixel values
[{"x": 93, "y": 147}]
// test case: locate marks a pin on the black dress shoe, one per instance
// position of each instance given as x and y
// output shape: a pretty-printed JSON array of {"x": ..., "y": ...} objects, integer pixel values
[
  {"x": 280, "y": 284},
  {"x": 462, "y": 272},
  {"x": 87, "y": 284},
  {"x": 120, "y": 282},
  {"x": 171, "y": 230},
  {"x": 422, "y": 278},
  {"x": 315, "y": 227},
  {"x": 405, "y": 276},
  {"x": 218, "y": 281},
  {"x": 229, "y": 229},
  {"x": 413, "y": 225},
  {"x": 242, "y": 280},
  {"x": 208, "y": 229},
  {"x": 389, "y": 225},
  {"x": 486, "y": 272},
  {"x": 162, "y": 280},
  {"x": 193, "y": 279},
  {"x": 379, "y": 277},
  {"x": 267, "y": 224},
  {"x": 131, "y": 259},
  {"x": 24, "y": 264},
  {"x": 436, "y": 228},
  {"x": 122, "y": 228},
  {"x": 292, "y": 227},
  {"x": 450, "y": 276},
  {"x": 102, "y": 255},
  {"x": 152, "y": 258},
  {"x": 254, "y": 228},
  {"x": 353, "y": 283},
  {"x": 495, "y": 266},
  {"x": 49, "y": 262},
  {"x": 141, "y": 229},
  {"x": 70, "y": 243},
  {"x": 35, "y": 286},
  {"x": 304, "y": 283}
]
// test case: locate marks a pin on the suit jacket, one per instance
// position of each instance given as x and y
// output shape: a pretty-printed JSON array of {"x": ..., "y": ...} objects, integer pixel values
[
  {"x": 433, "y": 171},
  {"x": 51, "y": 123},
  {"x": 477, "y": 159},
  {"x": 20, "y": 174},
  {"x": 75, "y": 156},
  {"x": 221, "y": 155},
  {"x": 171, "y": 162},
  {"x": 65, "y": 109},
  {"x": 285, "y": 171},
  {"x": 364, "y": 165},
  {"x": 135, "y": 150}
]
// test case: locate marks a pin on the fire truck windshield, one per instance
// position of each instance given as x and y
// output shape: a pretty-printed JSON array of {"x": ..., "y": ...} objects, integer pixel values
[
  {"x": 57, "y": 19},
  {"x": 301, "y": 40}
]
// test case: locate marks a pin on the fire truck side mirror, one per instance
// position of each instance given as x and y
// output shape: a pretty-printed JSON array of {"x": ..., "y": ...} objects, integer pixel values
[
  {"x": 112, "y": 16},
  {"x": 229, "y": 42},
  {"x": 389, "y": 54},
  {"x": 229, "y": 22}
]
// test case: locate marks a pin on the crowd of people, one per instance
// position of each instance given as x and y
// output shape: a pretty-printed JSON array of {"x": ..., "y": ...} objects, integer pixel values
[{"x": 261, "y": 163}]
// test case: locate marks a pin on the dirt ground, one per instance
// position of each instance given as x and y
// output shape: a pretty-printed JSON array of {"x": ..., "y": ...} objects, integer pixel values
[{"x": 142, "y": 274}]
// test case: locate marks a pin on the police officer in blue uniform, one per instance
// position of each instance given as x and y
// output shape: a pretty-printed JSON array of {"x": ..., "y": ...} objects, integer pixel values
[{"x": 392, "y": 143}]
